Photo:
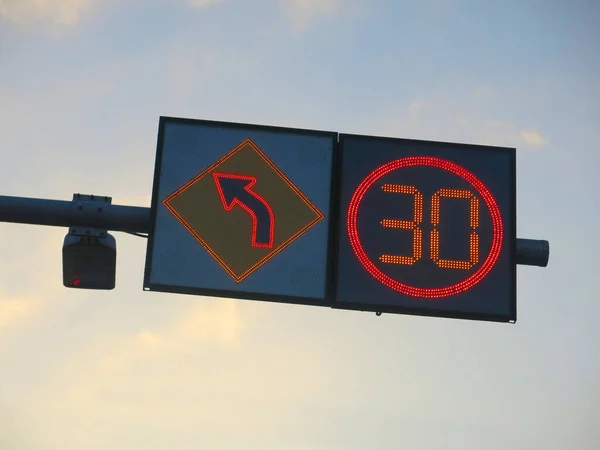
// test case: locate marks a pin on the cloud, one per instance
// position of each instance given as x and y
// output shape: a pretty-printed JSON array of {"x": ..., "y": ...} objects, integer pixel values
[
  {"x": 132, "y": 200},
  {"x": 32, "y": 275},
  {"x": 212, "y": 323},
  {"x": 203, "y": 3},
  {"x": 466, "y": 117},
  {"x": 215, "y": 322},
  {"x": 57, "y": 11},
  {"x": 415, "y": 108},
  {"x": 60, "y": 12},
  {"x": 12, "y": 310},
  {"x": 200, "y": 375},
  {"x": 304, "y": 12},
  {"x": 119, "y": 373},
  {"x": 532, "y": 137}
]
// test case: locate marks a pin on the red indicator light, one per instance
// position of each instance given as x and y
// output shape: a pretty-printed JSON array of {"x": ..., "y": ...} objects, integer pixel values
[{"x": 451, "y": 167}]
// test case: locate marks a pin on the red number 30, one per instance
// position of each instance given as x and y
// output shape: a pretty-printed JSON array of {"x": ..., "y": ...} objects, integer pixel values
[{"x": 414, "y": 226}]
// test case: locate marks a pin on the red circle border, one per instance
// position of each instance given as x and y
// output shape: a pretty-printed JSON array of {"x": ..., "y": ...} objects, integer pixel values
[{"x": 406, "y": 289}]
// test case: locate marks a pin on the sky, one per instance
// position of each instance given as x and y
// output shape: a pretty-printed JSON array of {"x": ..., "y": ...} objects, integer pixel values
[{"x": 82, "y": 86}]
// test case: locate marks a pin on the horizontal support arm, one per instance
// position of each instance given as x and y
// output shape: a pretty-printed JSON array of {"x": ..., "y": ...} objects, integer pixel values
[
  {"x": 533, "y": 252},
  {"x": 136, "y": 219},
  {"x": 62, "y": 213}
]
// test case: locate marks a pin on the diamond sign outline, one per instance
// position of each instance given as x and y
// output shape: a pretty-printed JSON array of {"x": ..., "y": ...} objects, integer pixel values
[{"x": 238, "y": 278}]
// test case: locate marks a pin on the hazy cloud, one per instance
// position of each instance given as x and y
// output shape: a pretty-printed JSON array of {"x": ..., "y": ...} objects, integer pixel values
[
  {"x": 532, "y": 137},
  {"x": 303, "y": 12},
  {"x": 202, "y": 3},
  {"x": 30, "y": 257},
  {"x": 61, "y": 12},
  {"x": 467, "y": 117},
  {"x": 132, "y": 200},
  {"x": 13, "y": 309},
  {"x": 99, "y": 369},
  {"x": 195, "y": 376},
  {"x": 57, "y": 11}
]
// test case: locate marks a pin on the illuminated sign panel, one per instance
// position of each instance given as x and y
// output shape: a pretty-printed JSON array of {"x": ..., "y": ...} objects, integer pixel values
[
  {"x": 241, "y": 232},
  {"x": 347, "y": 221},
  {"x": 241, "y": 211},
  {"x": 426, "y": 228}
]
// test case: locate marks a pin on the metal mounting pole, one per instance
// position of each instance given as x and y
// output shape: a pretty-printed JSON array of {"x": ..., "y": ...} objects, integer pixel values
[
  {"x": 136, "y": 219},
  {"x": 62, "y": 213},
  {"x": 533, "y": 252}
]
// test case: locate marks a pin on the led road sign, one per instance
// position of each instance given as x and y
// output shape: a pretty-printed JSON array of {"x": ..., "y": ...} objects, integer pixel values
[
  {"x": 241, "y": 211},
  {"x": 427, "y": 228},
  {"x": 242, "y": 232},
  {"x": 346, "y": 221}
]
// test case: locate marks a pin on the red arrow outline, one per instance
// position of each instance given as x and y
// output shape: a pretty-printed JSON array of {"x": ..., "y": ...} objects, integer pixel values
[{"x": 247, "y": 188}]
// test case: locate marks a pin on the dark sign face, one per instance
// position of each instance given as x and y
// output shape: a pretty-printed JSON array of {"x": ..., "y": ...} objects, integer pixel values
[
  {"x": 241, "y": 211},
  {"x": 328, "y": 219},
  {"x": 426, "y": 228}
]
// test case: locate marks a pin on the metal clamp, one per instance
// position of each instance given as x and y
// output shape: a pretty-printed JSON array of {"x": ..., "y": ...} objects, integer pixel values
[{"x": 89, "y": 207}]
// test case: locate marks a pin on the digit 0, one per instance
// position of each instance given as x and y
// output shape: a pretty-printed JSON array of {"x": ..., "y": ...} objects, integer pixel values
[
  {"x": 414, "y": 226},
  {"x": 473, "y": 238}
]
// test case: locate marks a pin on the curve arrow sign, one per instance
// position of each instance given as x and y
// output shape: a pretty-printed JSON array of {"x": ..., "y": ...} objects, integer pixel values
[{"x": 237, "y": 190}]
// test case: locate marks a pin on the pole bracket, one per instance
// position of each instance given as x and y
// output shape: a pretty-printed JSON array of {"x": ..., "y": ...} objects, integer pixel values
[{"x": 90, "y": 208}]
